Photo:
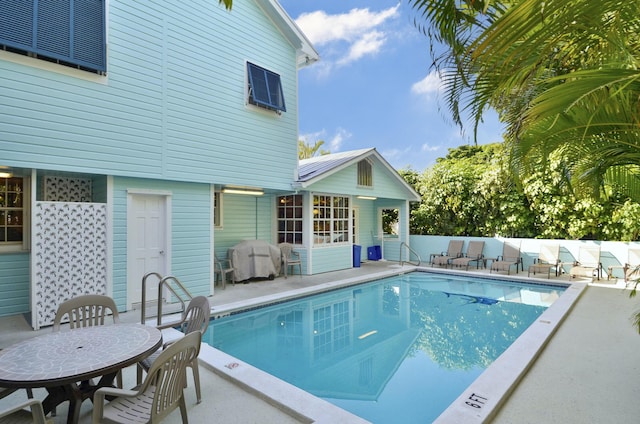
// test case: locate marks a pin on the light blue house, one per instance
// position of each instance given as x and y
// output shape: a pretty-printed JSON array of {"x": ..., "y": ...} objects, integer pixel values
[{"x": 140, "y": 136}]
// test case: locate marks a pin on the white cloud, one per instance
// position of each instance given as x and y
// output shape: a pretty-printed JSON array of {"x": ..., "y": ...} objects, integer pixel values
[
  {"x": 429, "y": 148},
  {"x": 370, "y": 43},
  {"x": 336, "y": 142},
  {"x": 331, "y": 143},
  {"x": 358, "y": 32},
  {"x": 429, "y": 85}
]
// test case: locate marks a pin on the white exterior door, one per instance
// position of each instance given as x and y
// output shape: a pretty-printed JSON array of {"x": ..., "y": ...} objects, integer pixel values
[{"x": 147, "y": 240}]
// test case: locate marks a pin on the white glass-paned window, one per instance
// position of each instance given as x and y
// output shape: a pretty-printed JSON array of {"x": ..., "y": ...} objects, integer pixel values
[
  {"x": 330, "y": 219},
  {"x": 290, "y": 219}
]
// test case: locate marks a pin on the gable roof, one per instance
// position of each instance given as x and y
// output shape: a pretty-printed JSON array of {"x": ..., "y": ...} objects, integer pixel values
[
  {"x": 305, "y": 53},
  {"x": 317, "y": 168}
]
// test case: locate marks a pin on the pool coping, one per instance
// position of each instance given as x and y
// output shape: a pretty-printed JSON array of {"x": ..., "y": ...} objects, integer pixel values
[{"x": 477, "y": 404}]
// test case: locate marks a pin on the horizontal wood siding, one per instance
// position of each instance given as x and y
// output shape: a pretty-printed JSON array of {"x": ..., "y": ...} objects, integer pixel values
[
  {"x": 385, "y": 184},
  {"x": 244, "y": 218},
  {"x": 327, "y": 259},
  {"x": 14, "y": 284},
  {"x": 173, "y": 105},
  {"x": 190, "y": 233}
]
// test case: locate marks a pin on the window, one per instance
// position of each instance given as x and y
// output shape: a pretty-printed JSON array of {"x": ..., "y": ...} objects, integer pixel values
[
  {"x": 330, "y": 219},
  {"x": 68, "y": 32},
  {"x": 265, "y": 89},
  {"x": 217, "y": 209},
  {"x": 12, "y": 211},
  {"x": 290, "y": 219},
  {"x": 365, "y": 173}
]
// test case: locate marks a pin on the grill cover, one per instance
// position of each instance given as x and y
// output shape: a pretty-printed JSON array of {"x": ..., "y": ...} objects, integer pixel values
[{"x": 255, "y": 259}]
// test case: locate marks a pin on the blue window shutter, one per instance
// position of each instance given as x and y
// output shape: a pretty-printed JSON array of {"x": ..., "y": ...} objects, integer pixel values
[
  {"x": 72, "y": 31},
  {"x": 89, "y": 44},
  {"x": 265, "y": 88},
  {"x": 53, "y": 28},
  {"x": 16, "y": 23}
]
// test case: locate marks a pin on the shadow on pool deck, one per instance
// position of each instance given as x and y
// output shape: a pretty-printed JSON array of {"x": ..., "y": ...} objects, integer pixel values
[{"x": 587, "y": 373}]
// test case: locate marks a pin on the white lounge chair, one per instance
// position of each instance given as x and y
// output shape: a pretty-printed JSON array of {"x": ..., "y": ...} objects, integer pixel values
[
  {"x": 588, "y": 263},
  {"x": 548, "y": 259}
]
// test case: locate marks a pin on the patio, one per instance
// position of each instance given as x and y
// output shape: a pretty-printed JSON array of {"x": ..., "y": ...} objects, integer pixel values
[{"x": 583, "y": 374}]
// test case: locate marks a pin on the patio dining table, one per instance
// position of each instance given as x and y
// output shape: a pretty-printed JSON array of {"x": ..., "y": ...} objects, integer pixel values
[{"x": 58, "y": 360}]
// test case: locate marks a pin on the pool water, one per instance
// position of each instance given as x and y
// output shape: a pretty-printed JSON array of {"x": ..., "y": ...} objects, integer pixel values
[{"x": 395, "y": 350}]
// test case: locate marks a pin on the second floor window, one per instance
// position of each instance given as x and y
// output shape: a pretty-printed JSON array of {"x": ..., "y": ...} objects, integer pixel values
[
  {"x": 68, "y": 32},
  {"x": 265, "y": 88}
]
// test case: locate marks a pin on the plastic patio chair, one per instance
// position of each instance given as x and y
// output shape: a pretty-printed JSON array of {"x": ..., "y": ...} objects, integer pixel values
[
  {"x": 195, "y": 318},
  {"x": 87, "y": 311},
  {"x": 161, "y": 392},
  {"x": 510, "y": 257},
  {"x": 453, "y": 251},
  {"x": 548, "y": 259},
  {"x": 19, "y": 414},
  {"x": 290, "y": 258},
  {"x": 222, "y": 268},
  {"x": 474, "y": 254}
]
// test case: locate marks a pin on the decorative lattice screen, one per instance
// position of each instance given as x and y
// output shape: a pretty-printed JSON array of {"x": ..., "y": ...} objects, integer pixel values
[{"x": 69, "y": 255}]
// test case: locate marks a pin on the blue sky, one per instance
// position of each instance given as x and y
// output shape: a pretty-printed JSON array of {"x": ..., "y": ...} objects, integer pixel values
[{"x": 373, "y": 86}]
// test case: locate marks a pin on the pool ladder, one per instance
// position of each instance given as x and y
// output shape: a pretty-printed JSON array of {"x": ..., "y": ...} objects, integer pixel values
[
  {"x": 402, "y": 262},
  {"x": 173, "y": 285}
]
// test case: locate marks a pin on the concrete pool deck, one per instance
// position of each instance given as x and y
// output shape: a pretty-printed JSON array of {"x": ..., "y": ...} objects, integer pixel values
[{"x": 585, "y": 374}]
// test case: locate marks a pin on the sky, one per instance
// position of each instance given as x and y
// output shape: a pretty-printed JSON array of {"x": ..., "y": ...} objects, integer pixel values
[{"x": 373, "y": 85}]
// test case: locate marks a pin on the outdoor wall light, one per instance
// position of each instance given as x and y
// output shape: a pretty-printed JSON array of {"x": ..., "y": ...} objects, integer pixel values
[
  {"x": 6, "y": 175},
  {"x": 251, "y": 192},
  {"x": 366, "y": 197}
]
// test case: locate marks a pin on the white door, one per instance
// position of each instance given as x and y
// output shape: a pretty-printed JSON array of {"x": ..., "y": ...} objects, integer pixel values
[{"x": 147, "y": 229}]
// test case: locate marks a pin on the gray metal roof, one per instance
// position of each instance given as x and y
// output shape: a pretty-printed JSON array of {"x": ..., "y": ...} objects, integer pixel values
[{"x": 311, "y": 168}]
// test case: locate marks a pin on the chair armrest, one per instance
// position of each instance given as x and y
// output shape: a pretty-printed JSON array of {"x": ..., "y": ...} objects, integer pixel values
[
  {"x": 31, "y": 403},
  {"x": 99, "y": 398}
]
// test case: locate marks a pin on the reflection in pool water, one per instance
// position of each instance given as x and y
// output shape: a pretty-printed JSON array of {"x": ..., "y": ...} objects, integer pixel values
[{"x": 397, "y": 350}]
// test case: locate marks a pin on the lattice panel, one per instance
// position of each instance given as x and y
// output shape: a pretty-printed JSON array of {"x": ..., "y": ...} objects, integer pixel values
[
  {"x": 69, "y": 255},
  {"x": 63, "y": 189}
]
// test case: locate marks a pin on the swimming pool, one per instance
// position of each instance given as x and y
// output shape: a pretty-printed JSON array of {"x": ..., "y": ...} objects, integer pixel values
[{"x": 408, "y": 344}]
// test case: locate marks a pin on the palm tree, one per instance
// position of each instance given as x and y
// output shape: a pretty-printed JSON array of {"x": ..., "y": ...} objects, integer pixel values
[
  {"x": 306, "y": 151},
  {"x": 227, "y": 3},
  {"x": 562, "y": 74}
]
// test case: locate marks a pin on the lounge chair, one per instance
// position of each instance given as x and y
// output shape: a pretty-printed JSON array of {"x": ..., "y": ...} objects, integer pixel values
[
  {"x": 290, "y": 258},
  {"x": 474, "y": 254},
  {"x": 453, "y": 251},
  {"x": 510, "y": 257},
  {"x": 160, "y": 393},
  {"x": 195, "y": 318},
  {"x": 631, "y": 268},
  {"x": 588, "y": 263},
  {"x": 548, "y": 259}
]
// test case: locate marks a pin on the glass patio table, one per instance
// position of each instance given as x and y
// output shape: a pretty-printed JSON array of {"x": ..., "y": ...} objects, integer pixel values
[{"x": 57, "y": 361}]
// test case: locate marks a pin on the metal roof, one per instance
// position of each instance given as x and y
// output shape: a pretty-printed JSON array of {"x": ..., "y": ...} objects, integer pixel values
[{"x": 311, "y": 168}]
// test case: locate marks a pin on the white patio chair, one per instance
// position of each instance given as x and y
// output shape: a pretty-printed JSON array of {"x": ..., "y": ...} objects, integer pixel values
[
  {"x": 161, "y": 392},
  {"x": 19, "y": 414},
  {"x": 195, "y": 318},
  {"x": 290, "y": 258}
]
